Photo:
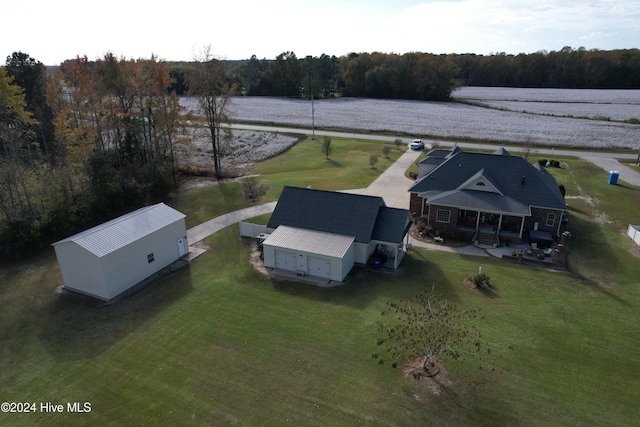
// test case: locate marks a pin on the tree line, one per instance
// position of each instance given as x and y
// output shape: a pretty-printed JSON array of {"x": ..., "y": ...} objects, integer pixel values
[
  {"x": 92, "y": 138},
  {"x": 428, "y": 77},
  {"x": 567, "y": 68}
]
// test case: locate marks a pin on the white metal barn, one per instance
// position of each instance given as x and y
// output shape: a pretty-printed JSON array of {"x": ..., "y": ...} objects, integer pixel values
[{"x": 108, "y": 259}]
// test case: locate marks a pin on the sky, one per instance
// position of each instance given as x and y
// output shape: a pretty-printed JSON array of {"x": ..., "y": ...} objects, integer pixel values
[{"x": 52, "y": 31}]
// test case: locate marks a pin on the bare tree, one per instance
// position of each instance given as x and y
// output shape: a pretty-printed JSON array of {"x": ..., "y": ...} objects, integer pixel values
[
  {"x": 398, "y": 143},
  {"x": 424, "y": 326},
  {"x": 528, "y": 148},
  {"x": 326, "y": 147},
  {"x": 207, "y": 82},
  {"x": 253, "y": 189}
]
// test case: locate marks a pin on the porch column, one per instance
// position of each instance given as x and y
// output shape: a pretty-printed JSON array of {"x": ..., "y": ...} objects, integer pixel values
[
  {"x": 395, "y": 259},
  {"x": 477, "y": 221},
  {"x": 521, "y": 227},
  {"x": 499, "y": 224}
]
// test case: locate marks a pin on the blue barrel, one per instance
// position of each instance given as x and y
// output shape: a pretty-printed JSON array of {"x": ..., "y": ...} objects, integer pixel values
[
  {"x": 613, "y": 177},
  {"x": 377, "y": 264}
]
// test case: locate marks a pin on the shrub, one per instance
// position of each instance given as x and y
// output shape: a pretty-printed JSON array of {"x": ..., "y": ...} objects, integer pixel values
[
  {"x": 372, "y": 161},
  {"x": 386, "y": 150},
  {"x": 563, "y": 190},
  {"x": 480, "y": 279},
  {"x": 542, "y": 162},
  {"x": 253, "y": 189},
  {"x": 555, "y": 163}
]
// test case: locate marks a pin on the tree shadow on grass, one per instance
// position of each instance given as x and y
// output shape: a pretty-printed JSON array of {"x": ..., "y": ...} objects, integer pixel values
[
  {"x": 79, "y": 327},
  {"x": 334, "y": 163}
]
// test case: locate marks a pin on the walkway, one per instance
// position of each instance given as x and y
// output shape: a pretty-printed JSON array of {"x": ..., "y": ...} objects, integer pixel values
[{"x": 391, "y": 185}]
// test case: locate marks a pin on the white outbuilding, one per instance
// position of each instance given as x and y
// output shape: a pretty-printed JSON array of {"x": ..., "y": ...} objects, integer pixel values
[{"x": 107, "y": 260}]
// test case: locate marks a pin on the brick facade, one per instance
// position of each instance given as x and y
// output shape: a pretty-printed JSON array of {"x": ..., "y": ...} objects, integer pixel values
[
  {"x": 420, "y": 208},
  {"x": 540, "y": 215}
]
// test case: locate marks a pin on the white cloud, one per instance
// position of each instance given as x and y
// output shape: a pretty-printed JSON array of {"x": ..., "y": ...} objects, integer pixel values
[{"x": 59, "y": 30}]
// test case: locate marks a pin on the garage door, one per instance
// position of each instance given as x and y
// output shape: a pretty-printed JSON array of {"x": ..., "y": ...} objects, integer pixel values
[
  {"x": 319, "y": 267},
  {"x": 285, "y": 260}
]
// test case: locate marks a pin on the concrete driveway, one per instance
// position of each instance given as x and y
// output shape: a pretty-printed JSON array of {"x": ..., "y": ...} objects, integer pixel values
[
  {"x": 392, "y": 185},
  {"x": 627, "y": 174}
]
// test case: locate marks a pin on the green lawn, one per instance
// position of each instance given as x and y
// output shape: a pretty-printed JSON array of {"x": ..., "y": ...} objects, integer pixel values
[{"x": 215, "y": 343}]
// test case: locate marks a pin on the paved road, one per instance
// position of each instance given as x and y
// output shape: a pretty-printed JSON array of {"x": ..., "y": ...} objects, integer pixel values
[{"x": 514, "y": 149}]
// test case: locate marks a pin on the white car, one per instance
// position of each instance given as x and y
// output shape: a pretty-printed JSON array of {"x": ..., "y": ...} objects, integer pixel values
[{"x": 417, "y": 144}]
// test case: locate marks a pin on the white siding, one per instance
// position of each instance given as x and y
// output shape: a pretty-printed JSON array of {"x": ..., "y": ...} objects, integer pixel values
[
  {"x": 129, "y": 265},
  {"x": 306, "y": 257},
  {"x": 363, "y": 252},
  {"x": 634, "y": 232},
  {"x": 109, "y": 259},
  {"x": 81, "y": 270}
]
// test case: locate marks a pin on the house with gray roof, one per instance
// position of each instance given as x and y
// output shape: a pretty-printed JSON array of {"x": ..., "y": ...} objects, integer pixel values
[
  {"x": 488, "y": 198},
  {"x": 324, "y": 233}
]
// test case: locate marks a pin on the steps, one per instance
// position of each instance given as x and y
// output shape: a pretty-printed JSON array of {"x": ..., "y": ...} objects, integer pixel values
[{"x": 486, "y": 239}]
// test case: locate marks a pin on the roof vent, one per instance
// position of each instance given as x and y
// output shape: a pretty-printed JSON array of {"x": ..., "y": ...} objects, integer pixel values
[{"x": 522, "y": 182}]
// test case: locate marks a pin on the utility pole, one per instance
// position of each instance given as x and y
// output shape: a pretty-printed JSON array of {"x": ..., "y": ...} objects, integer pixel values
[{"x": 313, "y": 120}]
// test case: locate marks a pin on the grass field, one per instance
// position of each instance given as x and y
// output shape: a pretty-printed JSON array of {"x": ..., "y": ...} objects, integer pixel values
[{"x": 215, "y": 343}]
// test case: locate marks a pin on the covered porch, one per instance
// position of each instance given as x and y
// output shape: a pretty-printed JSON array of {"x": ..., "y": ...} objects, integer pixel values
[{"x": 493, "y": 228}]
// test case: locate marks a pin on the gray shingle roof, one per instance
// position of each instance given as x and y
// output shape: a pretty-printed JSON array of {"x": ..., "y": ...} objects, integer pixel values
[
  {"x": 521, "y": 183},
  {"x": 347, "y": 214},
  {"x": 392, "y": 225}
]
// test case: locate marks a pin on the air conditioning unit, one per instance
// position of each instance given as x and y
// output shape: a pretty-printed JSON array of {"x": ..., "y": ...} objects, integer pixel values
[{"x": 260, "y": 238}]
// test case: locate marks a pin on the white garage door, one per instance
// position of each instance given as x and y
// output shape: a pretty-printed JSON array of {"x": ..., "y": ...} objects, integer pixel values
[
  {"x": 319, "y": 267},
  {"x": 285, "y": 260}
]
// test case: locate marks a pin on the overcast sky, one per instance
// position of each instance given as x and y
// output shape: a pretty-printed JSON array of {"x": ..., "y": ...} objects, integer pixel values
[{"x": 52, "y": 31}]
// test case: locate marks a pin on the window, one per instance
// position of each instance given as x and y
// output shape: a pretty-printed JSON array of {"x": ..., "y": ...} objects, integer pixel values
[
  {"x": 551, "y": 219},
  {"x": 480, "y": 184},
  {"x": 442, "y": 215},
  {"x": 150, "y": 258}
]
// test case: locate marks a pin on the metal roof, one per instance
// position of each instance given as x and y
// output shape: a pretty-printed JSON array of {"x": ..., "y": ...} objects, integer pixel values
[
  {"x": 119, "y": 232},
  {"x": 316, "y": 242}
]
